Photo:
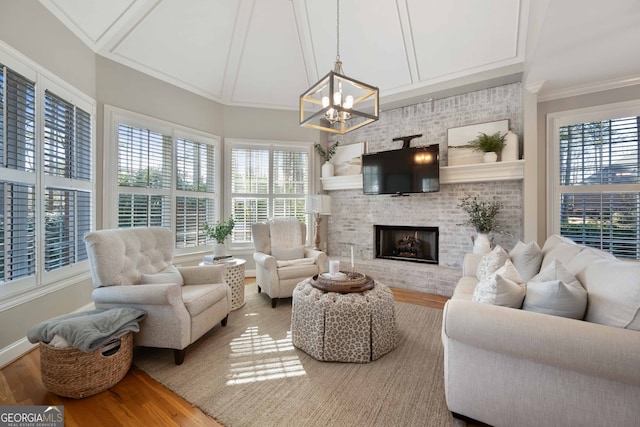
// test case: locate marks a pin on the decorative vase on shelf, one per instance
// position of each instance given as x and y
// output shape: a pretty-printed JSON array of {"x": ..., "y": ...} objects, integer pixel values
[
  {"x": 490, "y": 157},
  {"x": 481, "y": 243},
  {"x": 511, "y": 150},
  {"x": 219, "y": 250},
  {"x": 327, "y": 169}
]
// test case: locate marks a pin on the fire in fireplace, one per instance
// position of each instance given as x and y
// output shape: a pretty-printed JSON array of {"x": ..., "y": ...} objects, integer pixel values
[{"x": 407, "y": 243}]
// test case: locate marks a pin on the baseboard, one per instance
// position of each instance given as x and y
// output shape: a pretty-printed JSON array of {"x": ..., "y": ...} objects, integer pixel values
[
  {"x": 21, "y": 347},
  {"x": 15, "y": 351}
]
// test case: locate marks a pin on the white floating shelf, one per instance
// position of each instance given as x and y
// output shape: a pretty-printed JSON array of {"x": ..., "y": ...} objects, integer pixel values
[
  {"x": 342, "y": 182},
  {"x": 477, "y": 172}
]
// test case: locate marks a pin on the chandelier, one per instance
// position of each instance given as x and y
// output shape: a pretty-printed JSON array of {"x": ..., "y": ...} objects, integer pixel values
[{"x": 333, "y": 103}]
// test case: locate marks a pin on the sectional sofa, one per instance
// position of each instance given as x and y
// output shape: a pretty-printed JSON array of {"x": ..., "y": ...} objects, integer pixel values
[{"x": 509, "y": 366}]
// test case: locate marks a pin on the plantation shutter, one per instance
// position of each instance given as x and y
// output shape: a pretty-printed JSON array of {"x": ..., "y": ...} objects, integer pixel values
[
  {"x": 267, "y": 181},
  {"x": 195, "y": 164},
  {"x": 17, "y": 199},
  {"x": 249, "y": 190},
  {"x": 144, "y": 177},
  {"x": 67, "y": 154},
  {"x": 290, "y": 183},
  {"x": 598, "y": 177}
]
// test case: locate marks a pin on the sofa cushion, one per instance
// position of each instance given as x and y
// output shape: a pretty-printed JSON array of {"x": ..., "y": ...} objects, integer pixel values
[
  {"x": 491, "y": 262},
  {"x": 526, "y": 258},
  {"x": 613, "y": 289},
  {"x": 557, "y": 292},
  {"x": 504, "y": 287},
  {"x": 168, "y": 275},
  {"x": 558, "y": 247}
]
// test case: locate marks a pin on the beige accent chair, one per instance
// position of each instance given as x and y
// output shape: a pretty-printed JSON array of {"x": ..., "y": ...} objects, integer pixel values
[
  {"x": 133, "y": 267},
  {"x": 281, "y": 259}
]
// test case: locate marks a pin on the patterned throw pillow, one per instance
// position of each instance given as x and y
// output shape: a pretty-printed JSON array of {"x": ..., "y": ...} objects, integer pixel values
[
  {"x": 504, "y": 287},
  {"x": 557, "y": 292},
  {"x": 491, "y": 262}
]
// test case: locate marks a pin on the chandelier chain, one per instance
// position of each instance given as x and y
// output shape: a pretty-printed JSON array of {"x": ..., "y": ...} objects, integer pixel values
[{"x": 338, "y": 31}]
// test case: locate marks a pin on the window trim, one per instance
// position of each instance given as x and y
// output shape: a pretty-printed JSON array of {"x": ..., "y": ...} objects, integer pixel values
[
  {"x": 22, "y": 290},
  {"x": 581, "y": 115},
  {"x": 113, "y": 117}
]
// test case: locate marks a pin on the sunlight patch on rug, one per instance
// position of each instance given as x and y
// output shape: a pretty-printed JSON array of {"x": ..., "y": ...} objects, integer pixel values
[{"x": 249, "y": 344}]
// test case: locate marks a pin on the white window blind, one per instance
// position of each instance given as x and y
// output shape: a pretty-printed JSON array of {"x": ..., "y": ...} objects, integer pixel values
[
  {"x": 17, "y": 199},
  {"x": 46, "y": 188},
  {"x": 166, "y": 176},
  {"x": 144, "y": 177},
  {"x": 267, "y": 181},
  {"x": 67, "y": 154},
  {"x": 196, "y": 199},
  {"x": 599, "y": 191}
]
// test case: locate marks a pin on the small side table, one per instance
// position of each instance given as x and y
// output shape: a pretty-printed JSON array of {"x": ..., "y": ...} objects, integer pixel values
[{"x": 235, "y": 280}]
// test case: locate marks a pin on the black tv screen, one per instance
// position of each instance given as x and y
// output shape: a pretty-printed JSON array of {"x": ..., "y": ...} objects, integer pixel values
[{"x": 403, "y": 171}]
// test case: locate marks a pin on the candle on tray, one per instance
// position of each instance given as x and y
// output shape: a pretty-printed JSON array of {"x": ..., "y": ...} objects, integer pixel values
[
  {"x": 334, "y": 266},
  {"x": 351, "y": 258}
]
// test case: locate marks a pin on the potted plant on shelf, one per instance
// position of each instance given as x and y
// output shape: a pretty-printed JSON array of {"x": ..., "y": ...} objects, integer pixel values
[
  {"x": 327, "y": 167},
  {"x": 490, "y": 145},
  {"x": 483, "y": 218},
  {"x": 219, "y": 232}
]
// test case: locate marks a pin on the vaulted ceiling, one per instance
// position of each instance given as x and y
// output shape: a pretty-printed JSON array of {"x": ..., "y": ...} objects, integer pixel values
[{"x": 265, "y": 53}]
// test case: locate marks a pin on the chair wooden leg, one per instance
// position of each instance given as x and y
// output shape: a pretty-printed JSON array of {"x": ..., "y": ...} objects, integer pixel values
[
  {"x": 274, "y": 301},
  {"x": 178, "y": 355},
  {"x": 259, "y": 289},
  {"x": 223, "y": 322}
]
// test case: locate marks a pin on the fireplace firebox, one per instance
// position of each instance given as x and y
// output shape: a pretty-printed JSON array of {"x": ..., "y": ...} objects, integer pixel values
[{"x": 407, "y": 243}]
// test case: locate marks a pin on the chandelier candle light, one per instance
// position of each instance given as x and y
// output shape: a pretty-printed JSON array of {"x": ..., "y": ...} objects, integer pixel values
[{"x": 330, "y": 104}]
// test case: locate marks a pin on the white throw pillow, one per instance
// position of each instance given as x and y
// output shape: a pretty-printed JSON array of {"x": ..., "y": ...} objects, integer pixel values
[
  {"x": 557, "y": 292},
  {"x": 526, "y": 258},
  {"x": 168, "y": 275},
  {"x": 504, "y": 287},
  {"x": 286, "y": 254},
  {"x": 613, "y": 287},
  {"x": 491, "y": 262}
]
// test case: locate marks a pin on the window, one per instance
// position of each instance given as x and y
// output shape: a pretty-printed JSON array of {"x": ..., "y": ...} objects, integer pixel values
[
  {"x": 267, "y": 180},
  {"x": 596, "y": 162},
  {"x": 46, "y": 178},
  {"x": 166, "y": 176}
]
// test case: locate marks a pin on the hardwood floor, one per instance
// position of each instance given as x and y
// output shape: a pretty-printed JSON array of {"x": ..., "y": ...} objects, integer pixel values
[{"x": 136, "y": 400}]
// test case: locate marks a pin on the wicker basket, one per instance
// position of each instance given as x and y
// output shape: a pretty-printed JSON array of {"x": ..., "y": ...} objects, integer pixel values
[{"x": 75, "y": 373}]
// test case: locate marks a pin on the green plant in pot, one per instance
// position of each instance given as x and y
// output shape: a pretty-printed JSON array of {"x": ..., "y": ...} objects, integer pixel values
[
  {"x": 483, "y": 218},
  {"x": 490, "y": 145},
  {"x": 327, "y": 167},
  {"x": 219, "y": 232}
]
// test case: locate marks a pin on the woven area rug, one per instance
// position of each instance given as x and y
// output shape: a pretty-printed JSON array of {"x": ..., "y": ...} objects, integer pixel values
[{"x": 249, "y": 374}]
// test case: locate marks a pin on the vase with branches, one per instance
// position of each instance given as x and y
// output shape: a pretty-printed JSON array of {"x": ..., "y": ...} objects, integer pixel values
[
  {"x": 482, "y": 216},
  {"x": 327, "y": 167}
]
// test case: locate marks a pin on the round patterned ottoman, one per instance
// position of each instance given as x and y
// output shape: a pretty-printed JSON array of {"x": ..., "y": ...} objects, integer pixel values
[{"x": 353, "y": 327}]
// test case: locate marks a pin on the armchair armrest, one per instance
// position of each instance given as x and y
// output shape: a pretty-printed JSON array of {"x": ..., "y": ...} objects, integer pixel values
[
  {"x": 203, "y": 274},
  {"x": 266, "y": 261},
  {"x": 320, "y": 258},
  {"x": 580, "y": 346},
  {"x": 151, "y": 294}
]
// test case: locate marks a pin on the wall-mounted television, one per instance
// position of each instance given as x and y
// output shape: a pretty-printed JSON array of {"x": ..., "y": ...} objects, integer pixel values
[{"x": 403, "y": 171}]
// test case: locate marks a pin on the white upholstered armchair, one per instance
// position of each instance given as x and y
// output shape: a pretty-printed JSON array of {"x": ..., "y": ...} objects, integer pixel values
[
  {"x": 133, "y": 267},
  {"x": 282, "y": 260}
]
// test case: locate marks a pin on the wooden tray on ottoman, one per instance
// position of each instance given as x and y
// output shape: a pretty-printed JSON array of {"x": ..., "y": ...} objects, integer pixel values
[{"x": 353, "y": 282}]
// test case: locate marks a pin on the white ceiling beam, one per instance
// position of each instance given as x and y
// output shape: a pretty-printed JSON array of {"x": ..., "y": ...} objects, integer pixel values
[{"x": 236, "y": 50}]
